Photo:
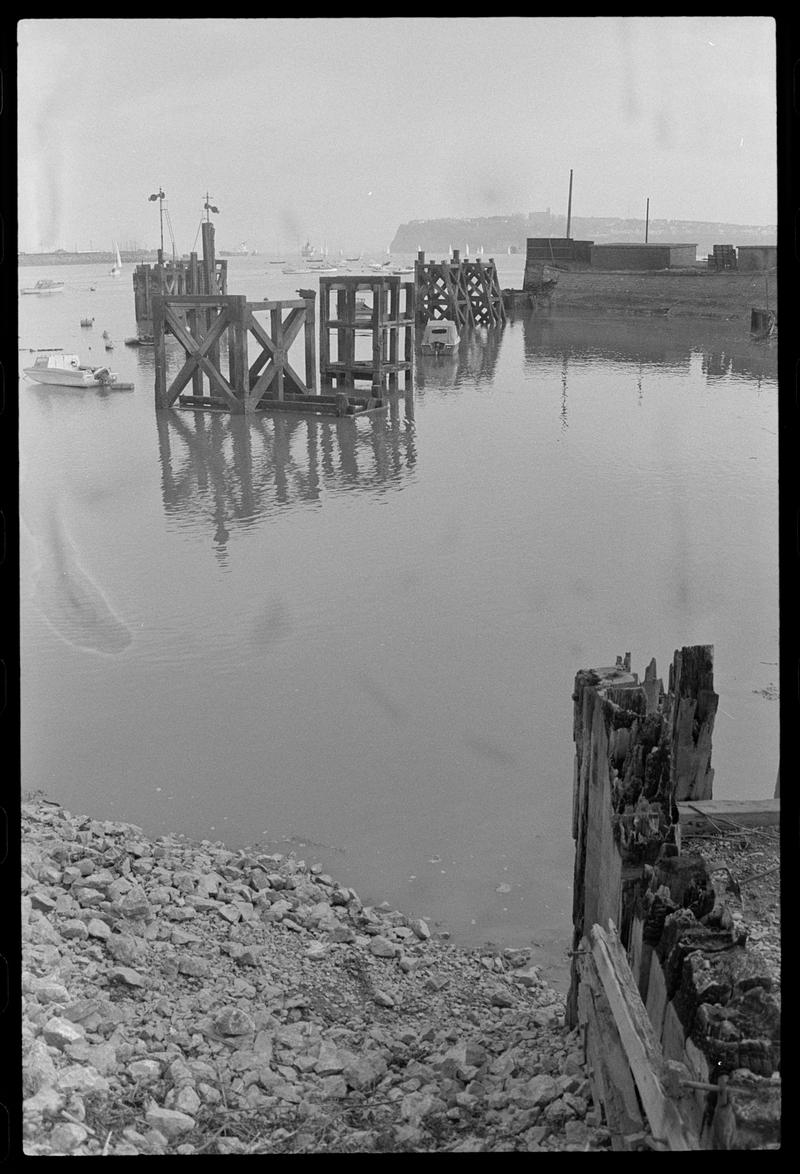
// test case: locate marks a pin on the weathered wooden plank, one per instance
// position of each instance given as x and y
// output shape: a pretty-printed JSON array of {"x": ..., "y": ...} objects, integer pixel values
[
  {"x": 609, "y": 1074},
  {"x": 702, "y": 816},
  {"x": 287, "y": 304},
  {"x": 326, "y": 407},
  {"x": 638, "y": 1039}
]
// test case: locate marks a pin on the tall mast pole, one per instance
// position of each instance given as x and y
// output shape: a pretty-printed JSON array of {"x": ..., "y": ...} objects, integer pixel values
[
  {"x": 647, "y": 220},
  {"x": 569, "y": 204}
]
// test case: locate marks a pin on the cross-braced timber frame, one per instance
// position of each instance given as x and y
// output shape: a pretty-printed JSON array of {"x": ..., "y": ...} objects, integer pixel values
[
  {"x": 206, "y": 324},
  {"x": 463, "y": 291},
  {"x": 388, "y": 320}
]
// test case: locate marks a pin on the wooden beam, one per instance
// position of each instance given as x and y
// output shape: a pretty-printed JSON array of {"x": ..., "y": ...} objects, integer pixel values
[
  {"x": 638, "y": 1038},
  {"x": 608, "y": 1070},
  {"x": 702, "y": 816}
]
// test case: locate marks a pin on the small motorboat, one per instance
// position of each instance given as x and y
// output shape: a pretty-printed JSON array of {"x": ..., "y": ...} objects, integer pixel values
[
  {"x": 87, "y": 321},
  {"x": 439, "y": 338},
  {"x": 45, "y": 286},
  {"x": 68, "y": 371}
]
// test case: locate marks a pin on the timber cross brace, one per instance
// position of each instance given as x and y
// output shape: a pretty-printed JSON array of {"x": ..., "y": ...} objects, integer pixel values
[
  {"x": 203, "y": 324},
  {"x": 467, "y": 292}
]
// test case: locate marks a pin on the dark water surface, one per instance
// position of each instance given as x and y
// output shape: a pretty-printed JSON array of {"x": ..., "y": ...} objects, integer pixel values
[{"x": 359, "y": 638}]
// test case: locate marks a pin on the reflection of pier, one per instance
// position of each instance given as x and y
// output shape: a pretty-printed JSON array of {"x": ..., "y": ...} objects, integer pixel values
[
  {"x": 645, "y": 344},
  {"x": 548, "y": 339},
  {"x": 233, "y": 470},
  {"x": 473, "y": 363}
]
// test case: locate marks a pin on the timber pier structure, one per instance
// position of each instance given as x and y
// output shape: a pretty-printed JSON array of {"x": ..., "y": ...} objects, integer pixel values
[{"x": 465, "y": 292}]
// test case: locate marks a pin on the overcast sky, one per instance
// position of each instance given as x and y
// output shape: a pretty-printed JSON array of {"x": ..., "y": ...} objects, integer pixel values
[{"x": 339, "y": 130}]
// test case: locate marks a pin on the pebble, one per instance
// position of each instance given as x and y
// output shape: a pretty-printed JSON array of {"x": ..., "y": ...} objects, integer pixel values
[{"x": 355, "y": 1030}]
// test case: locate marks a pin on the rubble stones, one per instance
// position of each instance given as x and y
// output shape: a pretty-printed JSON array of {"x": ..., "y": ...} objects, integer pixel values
[{"x": 223, "y": 1002}]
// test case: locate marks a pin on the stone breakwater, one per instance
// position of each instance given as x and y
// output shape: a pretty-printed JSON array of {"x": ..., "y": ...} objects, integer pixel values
[{"x": 182, "y": 998}]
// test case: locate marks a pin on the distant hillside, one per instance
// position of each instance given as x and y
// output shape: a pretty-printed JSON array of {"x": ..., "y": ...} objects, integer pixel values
[{"x": 498, "y": 234}]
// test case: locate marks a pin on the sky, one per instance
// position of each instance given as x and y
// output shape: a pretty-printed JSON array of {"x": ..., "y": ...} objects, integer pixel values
[{"x": 339, "y": 130}]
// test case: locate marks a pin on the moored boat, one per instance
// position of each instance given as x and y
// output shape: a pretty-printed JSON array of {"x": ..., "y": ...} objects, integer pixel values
[
  {"x": 45, "y": 286},
  {"x": 68, "y": 371},
  {"x": 440, "y": 337}
]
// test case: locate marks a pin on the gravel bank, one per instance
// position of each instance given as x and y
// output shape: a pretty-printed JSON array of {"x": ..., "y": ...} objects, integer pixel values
[{"x": 179, "y": 997}]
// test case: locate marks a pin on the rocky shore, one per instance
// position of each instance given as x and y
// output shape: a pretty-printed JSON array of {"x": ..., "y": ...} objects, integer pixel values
[{"x": 182, "y": 998}]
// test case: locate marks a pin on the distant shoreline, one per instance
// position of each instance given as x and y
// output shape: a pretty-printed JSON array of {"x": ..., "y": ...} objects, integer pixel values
[{"x": 62, "y": 258}]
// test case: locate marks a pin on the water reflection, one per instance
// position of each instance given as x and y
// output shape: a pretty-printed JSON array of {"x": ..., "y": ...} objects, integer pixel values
[
  {"x": 624, "y": 342},
  {"x": 233, "y": 470},
  {"x": 646, "y": 343},
  {"x": 474, "y": 362}
]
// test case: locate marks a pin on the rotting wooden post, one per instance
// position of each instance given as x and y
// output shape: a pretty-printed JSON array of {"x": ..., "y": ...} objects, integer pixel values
[
  {"x": 193, "y": 319},
  {"x": 341, "y": 338},
  {"x": 209, "y": 280},
  {"x": 694, "y": 706},
  {"x": 159, "y": 352},
  {"x": 277, "y": 338},
  {"x": 411, "y": 317},
  {"x": 309, "y": 328},
  {"x": 379, "y": 311},
  {"x": 324, "y": 333},
  {"x": 237, "y": 347}
]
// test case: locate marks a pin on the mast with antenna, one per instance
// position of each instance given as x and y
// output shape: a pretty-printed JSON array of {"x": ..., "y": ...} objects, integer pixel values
[{"x": 159, "y": 195}]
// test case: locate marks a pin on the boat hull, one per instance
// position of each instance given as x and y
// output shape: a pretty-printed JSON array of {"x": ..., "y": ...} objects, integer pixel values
[
  {"x": 61, "y": 379},
  {"x": 64, "y": 378}
]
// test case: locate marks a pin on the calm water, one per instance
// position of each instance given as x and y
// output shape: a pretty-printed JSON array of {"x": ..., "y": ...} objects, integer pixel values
[{"x": 358, "y": 638}]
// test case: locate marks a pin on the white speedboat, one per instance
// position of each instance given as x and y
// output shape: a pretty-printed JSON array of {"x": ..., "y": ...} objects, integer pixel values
[
  {"x": 68, "y": 371},
  {"x": 45, "y": 286}
]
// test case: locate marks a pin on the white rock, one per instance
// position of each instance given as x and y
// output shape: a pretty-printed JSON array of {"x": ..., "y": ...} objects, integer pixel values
[
  {"x": 187, "y": 1100},
  {"x": 382, "y": 948},
  {"x": 38, "y": 1069},
  {"x": 67, "y": 1136},
  {"x": 82, "y": 1078},
  {"x": 98, "y": 929},
  {"x": 145, "y": 1070},
  {"x": 170, "y": 1122},
  {"x": 60, "y": 1032}
]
